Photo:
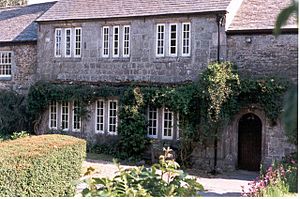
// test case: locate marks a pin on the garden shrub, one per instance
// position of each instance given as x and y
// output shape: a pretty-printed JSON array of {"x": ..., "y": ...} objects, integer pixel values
[
  {"x": 279, "y": 180},
  {"x": 45, "y": 165},
  {"x": 163, "y": 179},
  {"x": 13, "y": 113}
]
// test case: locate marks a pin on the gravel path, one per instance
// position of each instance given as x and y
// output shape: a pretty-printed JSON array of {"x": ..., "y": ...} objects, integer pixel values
[{"x": 223, "y": 185}]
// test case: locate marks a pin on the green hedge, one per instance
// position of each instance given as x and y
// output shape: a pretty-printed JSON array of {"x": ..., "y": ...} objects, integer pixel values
[{"x": 46, "y": 165}]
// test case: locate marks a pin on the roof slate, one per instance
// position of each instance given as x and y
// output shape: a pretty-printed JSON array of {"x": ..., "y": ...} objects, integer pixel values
[
  {"x": 260, "y": 15},
  {"x": 100, "y": 9},
  {"x": 17, "y": 23}
]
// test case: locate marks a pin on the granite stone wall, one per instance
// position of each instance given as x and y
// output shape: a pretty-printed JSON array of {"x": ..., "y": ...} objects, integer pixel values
[
  {"x": 142, "y": 65},
  {"x": 264, "y": 54},
  {"x": 274, "y": 144},
  {"x": 24, "y": 63}
]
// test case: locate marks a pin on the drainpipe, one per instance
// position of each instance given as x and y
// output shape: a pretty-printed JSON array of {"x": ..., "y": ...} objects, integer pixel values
[{"x": 219, "y": 20}]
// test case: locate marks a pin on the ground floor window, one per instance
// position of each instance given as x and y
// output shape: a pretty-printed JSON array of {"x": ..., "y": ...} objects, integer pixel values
[
  {"x": 60, "y": 115},
  {"x": 162, "y": 120}
]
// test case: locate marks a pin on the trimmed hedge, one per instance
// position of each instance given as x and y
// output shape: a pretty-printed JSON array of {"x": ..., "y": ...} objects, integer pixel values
[{"x": 46, "y": 165}]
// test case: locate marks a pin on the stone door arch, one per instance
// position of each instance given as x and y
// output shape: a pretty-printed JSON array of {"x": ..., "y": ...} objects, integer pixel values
[{"x": 249, "y": 142}]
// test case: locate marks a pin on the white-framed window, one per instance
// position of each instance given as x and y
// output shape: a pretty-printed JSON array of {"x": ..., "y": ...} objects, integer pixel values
[
  {"x": 53, "y": 112},
  {"x": 178, "y": 129},
  {"x": 100, "y": 108},
  {"x": 105, "y": 41},
  {"x": 112, "y": 117},
  {"x": 65, "y": 116},
  {"x": 5, "y": 64},
  {"x": 116, "y": 40},
  {"x": 77, "y": 42},
  {"x": 76, "y": 116},
  {"x": 126, "y": 41},
  {"x": 58, "y": 42},
  {"x": 173, "y": 39},
  {"x": 160, "y": 39},
  {"x": 68, "y": 33},
  {"x": 167, "y": 124},
  {"x": 186, "y": 39},
  {"x": 153, "y": 122}
]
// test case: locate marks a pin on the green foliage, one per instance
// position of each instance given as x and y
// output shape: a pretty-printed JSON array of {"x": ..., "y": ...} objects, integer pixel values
[
  {"x": 13, "y": 113},
  {"x": 44, "y": 165},
  {"x": 290, "y": 115},
  {"x": 204, "y": 106},
  {"x": 161, "y": 180},
  {"x": 285, "y": 14},
  {"x": 17, "y": 135},
  {"x": 218, "y": 84},
  {"x": 132, "y": 129},
  {"x": 280, "y": 179}
]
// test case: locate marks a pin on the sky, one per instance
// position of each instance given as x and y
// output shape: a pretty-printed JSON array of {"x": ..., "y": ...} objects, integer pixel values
[{"x": 38, "y": 1}]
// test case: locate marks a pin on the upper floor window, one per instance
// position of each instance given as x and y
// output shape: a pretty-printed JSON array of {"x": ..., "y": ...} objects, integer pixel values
[
  {"x": 173, "y": 39},
  {"x": 186, "y": 39},
  {"x": 5, "y": 64},
  {"x": 58, "y": 41},
  {"x": 160, "y": 39},
  {"x": 105, "y": 42},
  {"x": 126, "y": 41},
  {"x": 116, "y": 41},
  {"x": 68, "y": 42},
  {"x": 153, "y": 122},
  {"x": 77, "y": 45},
  {"x": 171, "y": 46}
]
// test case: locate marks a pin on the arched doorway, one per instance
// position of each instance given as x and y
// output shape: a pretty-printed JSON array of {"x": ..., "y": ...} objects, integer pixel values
[{"x": 249, "y": 142}]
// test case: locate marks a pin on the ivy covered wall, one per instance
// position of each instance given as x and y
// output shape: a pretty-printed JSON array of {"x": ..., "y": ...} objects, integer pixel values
[{"x": 205, "y": 106}]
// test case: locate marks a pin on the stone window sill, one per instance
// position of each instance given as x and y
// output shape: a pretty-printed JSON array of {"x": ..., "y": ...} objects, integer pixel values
[{"x": 5, "y": 78}]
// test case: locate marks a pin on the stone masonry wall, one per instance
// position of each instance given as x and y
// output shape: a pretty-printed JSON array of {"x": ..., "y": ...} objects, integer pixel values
[
  {"x": 264, "y": 55},
  {"x": 23, "y": 67},
  {"x": 142, "y": 65},
  {"x": 274, "y": 144}
]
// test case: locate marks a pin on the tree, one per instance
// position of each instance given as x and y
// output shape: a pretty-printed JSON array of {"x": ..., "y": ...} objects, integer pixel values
[
  {"x": 284, "y": 15},
  {"x": 290, "y": 114},
  {"x": 6, "y": 3}
]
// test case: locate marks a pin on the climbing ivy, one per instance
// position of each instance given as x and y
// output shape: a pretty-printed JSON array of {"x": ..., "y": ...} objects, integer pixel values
[
  {"x": 204, "y": 106},
  {"x": 13, "y": 113}
]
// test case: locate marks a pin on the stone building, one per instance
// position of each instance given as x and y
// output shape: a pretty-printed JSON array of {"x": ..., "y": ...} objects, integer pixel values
[
  {"x": 104, "y": 41},
  {"x": 18, "y": 46}
]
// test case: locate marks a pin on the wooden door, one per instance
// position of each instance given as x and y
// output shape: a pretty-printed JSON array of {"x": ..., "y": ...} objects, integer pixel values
[{"x": 249, "y": 142}]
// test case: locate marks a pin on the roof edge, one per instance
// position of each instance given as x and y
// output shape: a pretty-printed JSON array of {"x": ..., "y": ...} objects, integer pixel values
[
  {"x": 38, "y": 20},
  {"x": 261, "y": 31}
]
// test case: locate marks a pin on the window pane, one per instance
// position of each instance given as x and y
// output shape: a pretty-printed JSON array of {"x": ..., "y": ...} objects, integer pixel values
[
  {"x": 65, "y": 116},
  {"x": 160, "y": 39},
  {"x": 53, "y": 115},
  {"x": 105, "y": 43},
  {"x": 68, "y": 42},
  {"x": 5, "y": 63},
  {"x": 152, "y": 120},
  {"x": 76, "y": 116},
  {"x": 77, "y": 41},
  {"x": 58, "y": 41},
  {"x": 112, "y": 124},
  {"x": 186, "y": 39},
  {"x": 116, "y": 41}
]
